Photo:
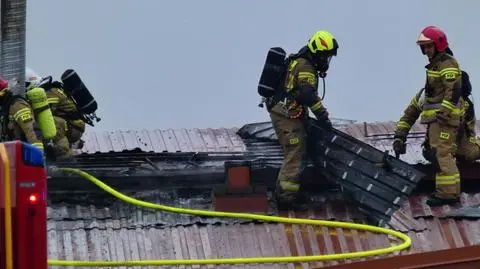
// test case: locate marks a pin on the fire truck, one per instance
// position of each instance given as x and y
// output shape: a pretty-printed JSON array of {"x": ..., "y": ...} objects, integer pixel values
[{"x": 23, "y": 209}]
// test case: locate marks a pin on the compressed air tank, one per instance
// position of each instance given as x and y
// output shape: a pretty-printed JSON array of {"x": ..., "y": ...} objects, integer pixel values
[
  {"x": 74, "y": 86},
  {"x": 273, "y": 72},
  {"x": 43, "y": 114}
]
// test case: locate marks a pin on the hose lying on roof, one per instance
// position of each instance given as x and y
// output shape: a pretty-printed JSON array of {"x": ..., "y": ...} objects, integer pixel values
[{"x": 405, "y": 244}]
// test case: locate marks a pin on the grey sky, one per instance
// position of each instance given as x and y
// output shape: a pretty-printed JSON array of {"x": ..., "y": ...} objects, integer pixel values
[{"x": 173, "y": 64}]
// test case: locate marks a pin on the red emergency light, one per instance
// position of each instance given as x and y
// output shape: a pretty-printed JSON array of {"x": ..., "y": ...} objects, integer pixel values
[{"x": 24, "y": 167}]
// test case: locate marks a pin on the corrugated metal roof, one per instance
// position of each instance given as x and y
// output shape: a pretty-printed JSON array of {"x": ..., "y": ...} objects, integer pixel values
[
  {"x": 90, "y": 233},
  {"x": 159, "y": 141},
  {"x": 200, "y": 242}
]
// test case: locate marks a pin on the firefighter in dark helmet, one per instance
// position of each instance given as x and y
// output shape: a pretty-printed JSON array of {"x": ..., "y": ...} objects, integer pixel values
[
  {"x": 61, "y": 148},
  {"x": 443, "y": 109},
  {"x": 290, "y": 113},
  {"x": 63, "y": 107},
  {"x": 69, "y": 121}
]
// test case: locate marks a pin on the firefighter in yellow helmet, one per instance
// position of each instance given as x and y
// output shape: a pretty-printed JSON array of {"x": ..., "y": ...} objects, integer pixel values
[
  {"x": 17, "y": 118},
  {"x": 289, "y": 113},
  {"x": 442, "y": 111}
]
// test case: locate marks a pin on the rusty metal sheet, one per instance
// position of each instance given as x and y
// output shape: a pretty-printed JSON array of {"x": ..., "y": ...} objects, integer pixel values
[
  {"x": 114, "y": 241},
  {"x": 458, "y": 258}
]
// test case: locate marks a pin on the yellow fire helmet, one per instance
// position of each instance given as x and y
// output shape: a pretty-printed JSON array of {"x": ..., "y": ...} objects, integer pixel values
[{"x": 324, "y": 42}]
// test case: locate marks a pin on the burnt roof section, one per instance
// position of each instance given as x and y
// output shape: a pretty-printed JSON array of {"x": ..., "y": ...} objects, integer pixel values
[
  {"x": 377, "y": 134},
  {"x": 328, "y": 205},
  {"x": 197, "y": 154}
]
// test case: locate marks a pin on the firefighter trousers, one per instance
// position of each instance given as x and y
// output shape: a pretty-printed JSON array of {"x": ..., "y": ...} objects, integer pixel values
[
  {"x": 75, "y": 130},
  {"x": 292, "y": 138},
  {"x": 442, "y": 142},
  {"x": 62, "y": 148}
]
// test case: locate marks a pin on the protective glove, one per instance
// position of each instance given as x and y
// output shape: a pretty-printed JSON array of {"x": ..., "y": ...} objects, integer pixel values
[
  {"x": 426, "y": 150},
  {"x": 80, "y": 144},
  {"x": 399, "y": 146},
  {"x": 323, "y": 120},
  {"x": 49, "y": 150},
  {"x": 326, "y": 123}
]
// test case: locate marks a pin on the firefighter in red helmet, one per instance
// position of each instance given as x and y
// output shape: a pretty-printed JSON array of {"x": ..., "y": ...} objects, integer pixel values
[
  {"x": 17, "y": 119},
  {"x": 442, "y": 110}
]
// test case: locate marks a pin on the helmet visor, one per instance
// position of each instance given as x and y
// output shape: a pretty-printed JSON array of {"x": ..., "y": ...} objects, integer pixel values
[{"x": 322, "y": 62}]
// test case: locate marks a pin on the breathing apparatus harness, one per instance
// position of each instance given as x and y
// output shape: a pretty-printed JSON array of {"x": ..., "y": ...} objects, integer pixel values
[
  {"x": 6, "y": 135},
  {"x": 319, "y": 61},
  {"x": 67, "y": 115}
]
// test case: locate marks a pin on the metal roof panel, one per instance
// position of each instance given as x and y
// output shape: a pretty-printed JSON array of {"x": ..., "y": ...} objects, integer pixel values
[{"x": 160, "y": 141}]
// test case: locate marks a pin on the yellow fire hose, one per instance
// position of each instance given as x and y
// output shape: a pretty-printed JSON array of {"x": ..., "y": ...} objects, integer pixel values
[
  {"x": 8, "y": 207},
  {"x": 405, "y": 244}
]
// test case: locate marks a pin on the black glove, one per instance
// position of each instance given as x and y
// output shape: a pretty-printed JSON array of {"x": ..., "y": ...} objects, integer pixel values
[
  {"x": 399, "y": 146},
  {"x": 80, "y": 144},
  {"x": 326, "y": 123},
  {"x": 323, "y": 120},
  {"x": 50, "y": 151},
  {"x": 426, "y": 149}
]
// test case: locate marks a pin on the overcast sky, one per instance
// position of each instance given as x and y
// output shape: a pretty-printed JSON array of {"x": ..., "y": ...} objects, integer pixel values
[{"x": 174, "y": 64}]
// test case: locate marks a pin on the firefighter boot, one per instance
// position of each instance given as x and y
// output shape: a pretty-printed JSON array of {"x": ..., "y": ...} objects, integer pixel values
[
  {"x": 288, "y": 197},
  {"x": 436, "y": 201}
]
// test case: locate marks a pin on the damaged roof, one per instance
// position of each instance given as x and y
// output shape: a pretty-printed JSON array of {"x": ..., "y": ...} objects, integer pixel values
[
  {"x": 171, "y": 140},
  {"x": 377, "y": 134},
  {"x": 108, "y": 229},
  {"x": 343, "y": 160}
]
